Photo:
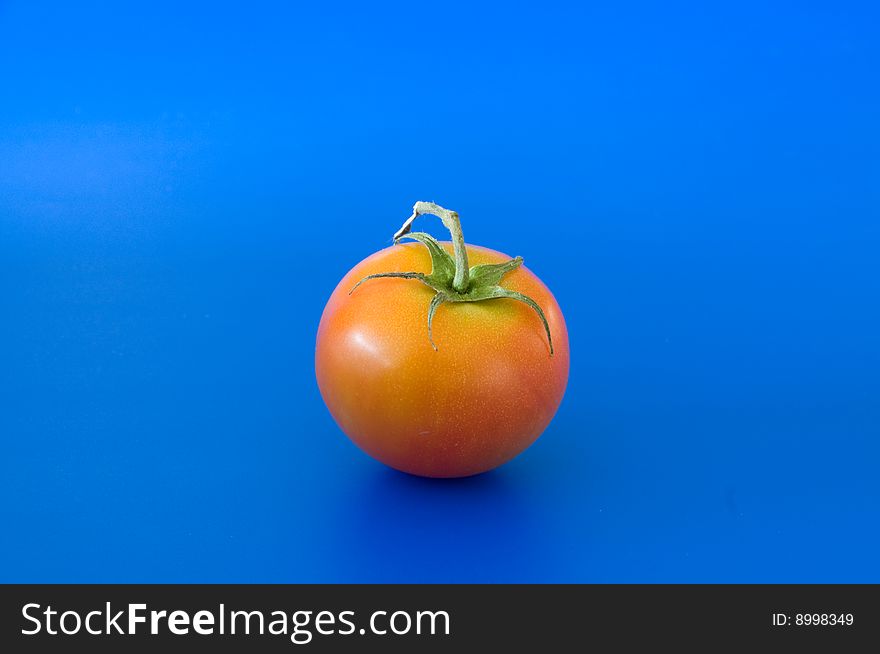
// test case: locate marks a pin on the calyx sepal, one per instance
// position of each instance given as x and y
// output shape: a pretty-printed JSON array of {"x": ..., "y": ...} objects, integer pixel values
[{"x": 450, "y": 276}]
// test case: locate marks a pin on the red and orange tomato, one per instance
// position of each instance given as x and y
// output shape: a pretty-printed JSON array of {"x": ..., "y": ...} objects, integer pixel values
[{"x": 467, "y": 399}]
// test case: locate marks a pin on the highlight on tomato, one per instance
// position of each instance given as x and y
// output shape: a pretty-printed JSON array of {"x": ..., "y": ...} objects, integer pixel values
[{"x": 441, "y": 359}]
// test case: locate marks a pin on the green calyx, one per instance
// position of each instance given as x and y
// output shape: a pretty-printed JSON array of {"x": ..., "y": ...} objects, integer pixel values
[{"x": 450, "y": 276}]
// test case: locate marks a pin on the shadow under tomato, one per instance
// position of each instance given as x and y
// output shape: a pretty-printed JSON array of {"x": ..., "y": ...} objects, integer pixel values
[{"x": 394, "y": 527}]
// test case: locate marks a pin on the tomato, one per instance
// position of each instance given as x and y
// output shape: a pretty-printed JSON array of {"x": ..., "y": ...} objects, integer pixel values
[{"x": 456, "y": 399}]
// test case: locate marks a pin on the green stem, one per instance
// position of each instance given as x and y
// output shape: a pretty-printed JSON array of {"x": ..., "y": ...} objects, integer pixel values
[
  {"x": 451, "y": 278},
  {"x": 450, "y": 220}
]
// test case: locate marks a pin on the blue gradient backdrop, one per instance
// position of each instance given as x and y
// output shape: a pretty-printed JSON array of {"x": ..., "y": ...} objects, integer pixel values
[{"x": 182, "y": 186}]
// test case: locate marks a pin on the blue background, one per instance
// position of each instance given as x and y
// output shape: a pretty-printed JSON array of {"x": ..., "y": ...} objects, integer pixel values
[{"x": 182, "y": 186}]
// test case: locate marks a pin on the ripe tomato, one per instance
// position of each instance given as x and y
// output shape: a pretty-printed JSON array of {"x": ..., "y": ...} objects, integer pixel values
[{"x": 456, "y": 399}]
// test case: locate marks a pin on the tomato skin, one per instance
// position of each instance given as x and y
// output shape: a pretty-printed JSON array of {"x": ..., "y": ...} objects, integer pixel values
[{"x": 484, "y": 396}]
